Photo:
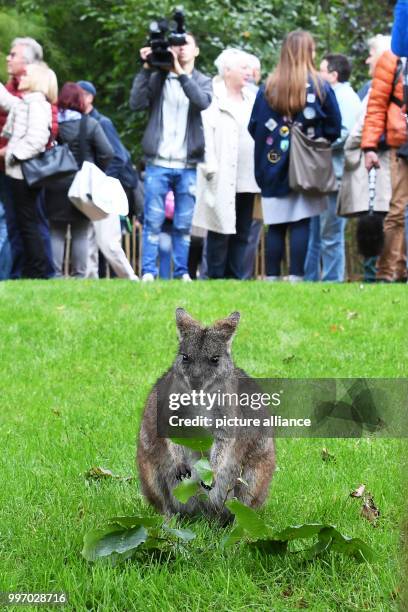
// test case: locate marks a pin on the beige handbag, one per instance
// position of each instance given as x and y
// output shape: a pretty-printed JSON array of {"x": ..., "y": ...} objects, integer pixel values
[{"x": 310, "y": 164}]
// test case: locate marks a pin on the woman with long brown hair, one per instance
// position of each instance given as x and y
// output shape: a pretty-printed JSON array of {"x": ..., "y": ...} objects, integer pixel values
[{"x": 294, "y": 94}]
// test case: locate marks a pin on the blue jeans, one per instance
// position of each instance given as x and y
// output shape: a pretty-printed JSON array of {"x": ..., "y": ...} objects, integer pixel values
[
  {"x": 5, "y": 251},
  {"x": 252, "y": 248},
  {"x": 312, "y": 262},
  {"x": 327, "y": 245},
  {"x": 158, "y": 182}
]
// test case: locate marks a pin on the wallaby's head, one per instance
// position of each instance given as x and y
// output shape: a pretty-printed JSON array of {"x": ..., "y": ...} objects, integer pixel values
[{"x": 204, "y": 352}]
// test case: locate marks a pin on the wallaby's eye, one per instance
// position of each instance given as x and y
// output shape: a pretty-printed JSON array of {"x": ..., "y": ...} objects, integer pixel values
[
  {"x": 185, "y": 358},
  {"x": 215, "y": 359}
]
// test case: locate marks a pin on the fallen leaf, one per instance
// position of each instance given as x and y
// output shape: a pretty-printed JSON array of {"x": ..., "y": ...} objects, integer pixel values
[
  {"x": 302, "y": 603},
  {"x": 369, "y": 510},
  {"x": 352, "y": 315},
  {"x": 100, "y": 473},
  {"x": 326, "y": 456},
  {"x": 358, "y": 492},
  {"x": 335, "y": 328},
  {"x": 246, "y": 34}
]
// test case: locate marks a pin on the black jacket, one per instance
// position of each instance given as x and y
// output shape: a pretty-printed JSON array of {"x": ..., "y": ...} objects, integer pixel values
[
  {"x": 147, "y": 94},
  {"x": 96, "y": 149}
]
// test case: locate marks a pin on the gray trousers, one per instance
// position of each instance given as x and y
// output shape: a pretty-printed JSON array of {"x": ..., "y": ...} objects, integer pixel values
[{"x": 79, "y": 247}]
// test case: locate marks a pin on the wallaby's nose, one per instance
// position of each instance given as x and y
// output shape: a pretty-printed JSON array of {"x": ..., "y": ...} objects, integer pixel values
[{"x": 196, "y": 382}]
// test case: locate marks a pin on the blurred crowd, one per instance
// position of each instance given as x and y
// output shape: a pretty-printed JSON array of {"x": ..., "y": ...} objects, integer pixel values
[{"x": 227, "y": 159}]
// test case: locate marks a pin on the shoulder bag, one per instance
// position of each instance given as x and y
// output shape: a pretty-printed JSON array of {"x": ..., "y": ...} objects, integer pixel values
[
  {"x": 310, "y": 164},
  {"x": 54, "y": 163},
  {"x": 94, "y": 193}
]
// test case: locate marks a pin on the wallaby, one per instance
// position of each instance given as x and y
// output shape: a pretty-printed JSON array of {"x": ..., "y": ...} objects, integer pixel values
[{"x": 203, "y": 361}]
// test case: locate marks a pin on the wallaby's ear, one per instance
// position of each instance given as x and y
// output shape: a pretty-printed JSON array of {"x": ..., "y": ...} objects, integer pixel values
[
  {"x": 184, "y": 322},
  {"x": 227, "y": 327}
]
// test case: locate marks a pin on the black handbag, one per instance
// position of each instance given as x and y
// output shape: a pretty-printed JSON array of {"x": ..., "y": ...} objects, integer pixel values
[
  {"x": 370, "y": 225},
  {"x": 54, "y": 163}
]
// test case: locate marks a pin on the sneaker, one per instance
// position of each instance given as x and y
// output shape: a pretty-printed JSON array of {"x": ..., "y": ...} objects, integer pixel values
[
  {"x": 147, "y": 277},
  {"x": 135, "y": 278},
  {"x": 272, "y": 279},
  {"x": 186, "y": 278},
  {"x": 292, "y": 278}
]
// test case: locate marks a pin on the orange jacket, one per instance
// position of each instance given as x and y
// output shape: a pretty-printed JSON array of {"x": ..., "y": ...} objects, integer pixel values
[{"x": 384, "y": 116}]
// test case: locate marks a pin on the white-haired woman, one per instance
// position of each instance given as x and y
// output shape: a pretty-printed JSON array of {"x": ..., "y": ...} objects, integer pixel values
[
  {"x": 28, "y": 131},
  {"x": 225, "y": 181}
]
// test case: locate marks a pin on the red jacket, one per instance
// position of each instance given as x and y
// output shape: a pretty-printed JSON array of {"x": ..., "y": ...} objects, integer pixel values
[
  {"x": 384, "y": 116},
  {"x": 12, "y": 87}
]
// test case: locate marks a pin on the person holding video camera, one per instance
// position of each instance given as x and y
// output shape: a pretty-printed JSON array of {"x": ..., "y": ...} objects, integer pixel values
[{"x": 173, "y": 145}]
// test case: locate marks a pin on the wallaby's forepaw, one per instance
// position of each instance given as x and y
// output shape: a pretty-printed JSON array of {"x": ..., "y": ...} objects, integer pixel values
[
  {"x": 183, "y": 471},
  {"x": 206, "y": 486}
]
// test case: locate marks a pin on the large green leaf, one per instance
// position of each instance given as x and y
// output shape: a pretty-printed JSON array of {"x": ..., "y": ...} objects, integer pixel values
[
  {"x": 321, "y": 546},
  {"x": 354, "y": 547},
  {"x": 204, "y": 471},
  {"x": 131, "y": 521},
  {"x": 232, "y": 538},
  {"x": 202, "y": 444},
  {"x": 185, "y": 490},
  {"x": 112, "y": 539},
  {"x": 248, "y": 519},
  {"x": 270, "y": 547},
  {"x": 299, "y": 532},
  {"x": 181, "y": 534}
]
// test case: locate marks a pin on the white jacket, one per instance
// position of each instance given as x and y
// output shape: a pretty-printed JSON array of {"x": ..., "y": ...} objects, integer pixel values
[
  {"x": 27, "y": 128},
  {"x": 217, "y": 176}
]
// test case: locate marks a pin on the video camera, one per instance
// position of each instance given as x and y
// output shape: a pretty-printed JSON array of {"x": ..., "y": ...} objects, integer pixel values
[{"x": 163, "y": 35}]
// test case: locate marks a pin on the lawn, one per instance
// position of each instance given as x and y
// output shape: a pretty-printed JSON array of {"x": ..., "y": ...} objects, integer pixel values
[{"x": 77, "y": 362}]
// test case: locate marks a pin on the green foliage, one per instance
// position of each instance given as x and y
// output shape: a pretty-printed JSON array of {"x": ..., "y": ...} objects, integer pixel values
[
  {"x": 13, "y": 25},
  {"x": 249, "y": 524},
  {"x": 100, "y": 41},
  {"x": 204, "y": 471},
  {"x": 125, "y": 536},
  {"x": 201, "y": 444},
  {"x": 185, "y": 490}
]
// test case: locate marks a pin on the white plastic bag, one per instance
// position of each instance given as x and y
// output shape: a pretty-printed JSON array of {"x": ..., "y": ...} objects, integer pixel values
[{"x": 97, "y": 195}]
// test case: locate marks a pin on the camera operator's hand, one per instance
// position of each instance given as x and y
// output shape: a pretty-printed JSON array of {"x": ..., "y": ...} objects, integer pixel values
[
  {"x": 144, "y": 53},
  {"x": 176, "y": 64},
  {"x": 371, "y": 160}
]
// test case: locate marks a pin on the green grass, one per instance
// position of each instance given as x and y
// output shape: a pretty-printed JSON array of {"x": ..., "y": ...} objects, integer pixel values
[{"x": 77, "y": 362}]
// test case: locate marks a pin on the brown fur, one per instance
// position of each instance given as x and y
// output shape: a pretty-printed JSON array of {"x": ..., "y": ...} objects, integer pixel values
[{"x": 162, "y": 464}]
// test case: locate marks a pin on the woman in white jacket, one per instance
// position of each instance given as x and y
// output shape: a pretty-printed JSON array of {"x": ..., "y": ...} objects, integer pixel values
[
  {"x": 225, "y": 181},
  {"x": 28, "y": 129}
]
